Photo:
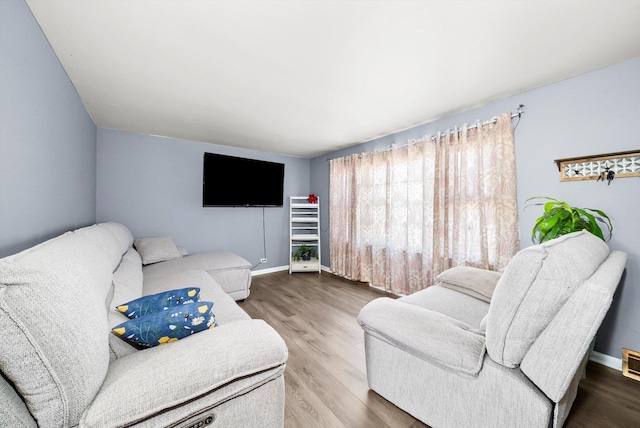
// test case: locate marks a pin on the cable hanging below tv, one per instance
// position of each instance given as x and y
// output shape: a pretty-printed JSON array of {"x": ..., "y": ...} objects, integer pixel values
[{"x": 230, "y": 181}]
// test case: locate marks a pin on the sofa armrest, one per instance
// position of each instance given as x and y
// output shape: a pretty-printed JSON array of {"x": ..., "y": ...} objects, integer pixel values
[
  {"x": 426, "y": 334},
  {"x": 554, "y": 358},
  {"x": 219, "y": 364},
  {"x": 478, "y": 283}
]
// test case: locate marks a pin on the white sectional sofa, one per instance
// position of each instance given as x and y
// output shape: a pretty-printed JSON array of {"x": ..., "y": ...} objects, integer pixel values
[
  {"x": 63, "y": 367},
  {"x": 229, "y": 270}
]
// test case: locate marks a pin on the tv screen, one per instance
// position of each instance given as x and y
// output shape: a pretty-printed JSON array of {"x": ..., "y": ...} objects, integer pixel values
[{"x": 230, "y": 181}]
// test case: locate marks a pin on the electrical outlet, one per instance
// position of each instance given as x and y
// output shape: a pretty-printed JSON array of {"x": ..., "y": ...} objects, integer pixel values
[{"x": 263, "y": 260}]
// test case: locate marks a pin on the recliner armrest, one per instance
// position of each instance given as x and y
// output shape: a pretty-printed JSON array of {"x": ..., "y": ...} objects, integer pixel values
[
  {"x": 478, "y": 283},
  {"x": 218, "y": 364},
  {"x": 554, "y": 358},
  {"x": 428, "y": 335}
]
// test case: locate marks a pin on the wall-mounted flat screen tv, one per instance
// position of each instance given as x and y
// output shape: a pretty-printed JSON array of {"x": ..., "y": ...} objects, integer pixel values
[{"x": 230, "y": 181}]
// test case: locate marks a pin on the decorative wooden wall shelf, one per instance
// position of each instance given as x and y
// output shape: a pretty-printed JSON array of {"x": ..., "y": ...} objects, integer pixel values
[{"x": 623, "y": 164}]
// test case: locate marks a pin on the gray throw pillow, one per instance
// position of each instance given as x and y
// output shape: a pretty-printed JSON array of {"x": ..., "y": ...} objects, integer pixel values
[{"x": 153, "y": 250}]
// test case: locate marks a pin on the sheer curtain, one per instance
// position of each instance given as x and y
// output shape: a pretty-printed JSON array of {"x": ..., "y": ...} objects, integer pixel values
[{"x": 400, "y": 217}]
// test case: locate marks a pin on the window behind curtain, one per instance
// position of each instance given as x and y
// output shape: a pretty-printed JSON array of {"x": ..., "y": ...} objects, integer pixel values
[{"x": 402, "y": 216}]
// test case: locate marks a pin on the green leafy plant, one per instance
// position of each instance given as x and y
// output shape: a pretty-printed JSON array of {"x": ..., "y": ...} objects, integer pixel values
[
  {"x": 560, "y": 218},
  {"x": 304, "y": 252}
]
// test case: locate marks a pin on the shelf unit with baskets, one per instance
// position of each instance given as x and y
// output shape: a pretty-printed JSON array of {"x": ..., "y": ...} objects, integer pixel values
[{"x": 304, "y": 232}]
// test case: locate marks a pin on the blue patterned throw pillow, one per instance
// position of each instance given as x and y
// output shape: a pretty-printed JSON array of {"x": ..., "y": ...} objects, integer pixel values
[
  {"x": 153, "y": 303},
  {"x": 168, "y": 325}
]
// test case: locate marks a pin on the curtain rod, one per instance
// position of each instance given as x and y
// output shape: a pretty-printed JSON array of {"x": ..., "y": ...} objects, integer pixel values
[
  {"x": 518, "y": 114},
  {"x": 455, "y": 130}
]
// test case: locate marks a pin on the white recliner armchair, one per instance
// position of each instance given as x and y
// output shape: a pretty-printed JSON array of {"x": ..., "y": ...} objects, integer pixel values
[{"x": 461, "y": 354}]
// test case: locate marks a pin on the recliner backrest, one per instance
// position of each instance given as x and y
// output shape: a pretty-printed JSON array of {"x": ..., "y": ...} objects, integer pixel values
[{"x": 534, "y": 287}]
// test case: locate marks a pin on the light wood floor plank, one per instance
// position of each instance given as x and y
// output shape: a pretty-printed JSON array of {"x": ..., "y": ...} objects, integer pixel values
[{"x": 325, "y": 378}]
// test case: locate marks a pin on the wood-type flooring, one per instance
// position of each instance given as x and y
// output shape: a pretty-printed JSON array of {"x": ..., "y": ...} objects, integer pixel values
[{"x": 325, "y": 378}]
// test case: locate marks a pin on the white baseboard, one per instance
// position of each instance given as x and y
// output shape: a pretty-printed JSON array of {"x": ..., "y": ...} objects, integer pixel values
[
  {"x": 269, "y": 270},
  {"x": 606, "y": 360},
  {"x": 279, "y": 269}
]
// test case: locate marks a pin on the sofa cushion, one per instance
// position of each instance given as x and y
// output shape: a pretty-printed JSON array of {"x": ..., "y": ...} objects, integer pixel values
[
  {"x": 158, "y": 302},
  {"x": 534, "y": 286},
  {"x": 120, "y": 233},
  {"x": 153, "y": 250},
  {"x": 13, "y": 411},
  {"x": 454, "y": 304},
  {"x": 53, "y": 321},
  {"x": 229, "y": 270},
  {"x": 113, "y": 238},
  {"x": 128, "y": 277},
  {"x": 127, "y": 285},
  {"x": 168, "y": 325}
]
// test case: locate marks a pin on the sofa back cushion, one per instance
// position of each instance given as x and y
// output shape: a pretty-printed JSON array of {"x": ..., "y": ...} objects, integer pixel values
[
  {"x": 54, "y": 348},
  {"x": 113, "y": 238},
  {"x": 127, "y": 286},
  {"x": 533, "y": 288},
  {"x": 13, "y": 411}
]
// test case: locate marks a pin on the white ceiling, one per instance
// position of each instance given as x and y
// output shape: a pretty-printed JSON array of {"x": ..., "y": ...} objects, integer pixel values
[{"x": 309, "y": 77}]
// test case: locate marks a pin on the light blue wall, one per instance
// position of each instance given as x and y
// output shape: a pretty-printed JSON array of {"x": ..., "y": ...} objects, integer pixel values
[
  {"x": 590, "y": 114},
  {"x": 154, "y": 186},
  {"x": 47, "y": 139}
]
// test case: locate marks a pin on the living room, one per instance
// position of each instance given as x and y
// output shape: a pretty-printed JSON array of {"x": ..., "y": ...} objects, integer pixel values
[{"x": 60, "y": 171}]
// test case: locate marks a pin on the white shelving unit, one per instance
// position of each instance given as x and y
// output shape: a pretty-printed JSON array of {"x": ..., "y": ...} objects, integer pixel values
[{"x": 304, "y": 229}]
